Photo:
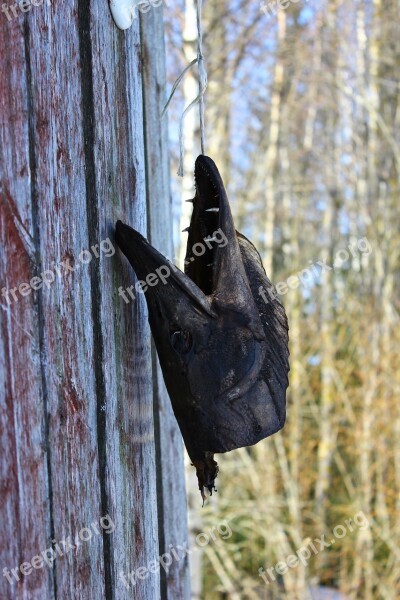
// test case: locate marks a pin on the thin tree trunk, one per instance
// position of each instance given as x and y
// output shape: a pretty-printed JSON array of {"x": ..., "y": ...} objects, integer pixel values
[{"x": 273, "y": 144}]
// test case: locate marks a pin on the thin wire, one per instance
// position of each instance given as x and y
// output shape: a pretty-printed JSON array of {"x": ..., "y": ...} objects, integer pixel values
[
  {"x": 202, "y": 88},
  {"x": 202, "y": 72},
  {"x": 176, "y": 84}
]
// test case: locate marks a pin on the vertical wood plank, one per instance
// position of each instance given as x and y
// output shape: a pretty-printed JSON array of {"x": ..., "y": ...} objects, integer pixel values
[
  {"x": 128, "y": 428},
  {"x": 76, "y": 415},
  {"x": 24, "y": 510},
  {"x": 59, "y": 182},
  {"x": 169, "y": 445}
]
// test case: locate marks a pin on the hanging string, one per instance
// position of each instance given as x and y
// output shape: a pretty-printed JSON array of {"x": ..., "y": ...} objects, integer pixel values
[
  {"x": 202, "y": 72},
  {"x": 176, "y": 84}
]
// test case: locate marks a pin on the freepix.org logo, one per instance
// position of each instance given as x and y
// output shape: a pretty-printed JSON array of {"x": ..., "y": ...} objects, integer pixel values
[
  {"x": 178, "y": 553},
  {"x": 163, "y": 272},
  {"x": 59, "y": 270},
  {"x": 59, "y": 549},
  {"x": 15, "y": 9},
  {"x": 313, "y": 547}
]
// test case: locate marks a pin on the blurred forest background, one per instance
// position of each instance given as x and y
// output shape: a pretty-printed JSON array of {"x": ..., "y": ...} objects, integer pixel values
[{"x": 303, "y": 121}]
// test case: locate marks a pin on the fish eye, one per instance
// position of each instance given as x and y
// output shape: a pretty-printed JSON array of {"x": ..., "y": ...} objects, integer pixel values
[{"x": 182, "y": 341}]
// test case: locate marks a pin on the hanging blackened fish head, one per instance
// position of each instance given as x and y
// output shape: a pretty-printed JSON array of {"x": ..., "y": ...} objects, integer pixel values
[{"x": 221, "y": 333}]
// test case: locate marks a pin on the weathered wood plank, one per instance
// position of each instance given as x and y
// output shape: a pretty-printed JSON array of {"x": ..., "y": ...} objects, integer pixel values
[
  {"x": 169, "y": 446},
  {"x": 76, "y": 415},
  {"x": 24, "y": 511},
  {"x": 69, "y": 352},
  {"x": 120, "y": 186}
]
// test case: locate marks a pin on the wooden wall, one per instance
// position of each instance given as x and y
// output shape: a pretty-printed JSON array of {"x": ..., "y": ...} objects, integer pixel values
[{"x": 86, "y": 428}]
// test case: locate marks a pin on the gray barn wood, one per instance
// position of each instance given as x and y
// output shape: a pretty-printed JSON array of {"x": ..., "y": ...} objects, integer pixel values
[{"x": 86, "y": 427}]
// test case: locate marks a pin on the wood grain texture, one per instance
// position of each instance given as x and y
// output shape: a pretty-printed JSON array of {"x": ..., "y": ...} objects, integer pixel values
[
  {"x": 69, "y": 353},
  {"x": 25, "y": 505},
  {"x": 76, "y": 404},
  {"x": 119, "y": 179},
  {"x": 169, "y": 446}
]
